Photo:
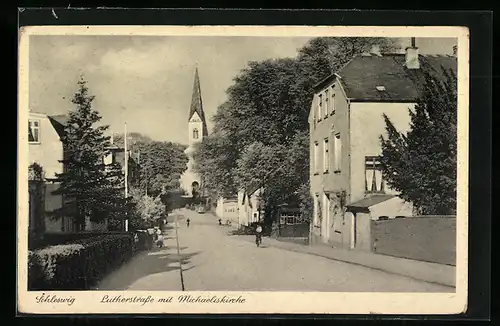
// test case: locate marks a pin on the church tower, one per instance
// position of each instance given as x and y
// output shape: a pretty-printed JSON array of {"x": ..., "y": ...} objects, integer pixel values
[{"x": 197, "y": 129}]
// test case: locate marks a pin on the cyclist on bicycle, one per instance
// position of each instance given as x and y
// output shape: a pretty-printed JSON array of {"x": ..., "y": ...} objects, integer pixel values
[{"x": 258, "y": 233}]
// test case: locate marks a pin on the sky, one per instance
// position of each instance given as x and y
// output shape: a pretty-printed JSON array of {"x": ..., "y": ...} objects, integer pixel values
[{"x": 147, "y": 81}]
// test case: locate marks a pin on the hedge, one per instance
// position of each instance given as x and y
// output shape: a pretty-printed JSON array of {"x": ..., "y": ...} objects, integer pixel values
[
  {"x": 59, "y": 238},
  {"x": 79, "y": 265}
]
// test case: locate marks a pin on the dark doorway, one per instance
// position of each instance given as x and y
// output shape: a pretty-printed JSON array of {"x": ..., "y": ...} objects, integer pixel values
[{"x": 195, "y": 187}]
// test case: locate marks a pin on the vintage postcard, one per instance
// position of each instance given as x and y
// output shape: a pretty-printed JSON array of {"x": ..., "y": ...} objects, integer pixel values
[{"x": 243, "y": 169}]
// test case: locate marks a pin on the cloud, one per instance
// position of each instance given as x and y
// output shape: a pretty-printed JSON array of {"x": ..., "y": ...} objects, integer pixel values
[{"x": 146, "y": 81}]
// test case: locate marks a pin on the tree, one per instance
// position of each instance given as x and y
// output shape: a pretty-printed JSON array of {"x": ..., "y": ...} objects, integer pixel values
[
  {"x": 214, "y": 160},
  {"x": 263, "y": 125},
  {"x": 150, "y": 210},
  {"x": 421, "y": 165},
  {"x": 160, "y": 163},
  {"x": 92, "y": 189},
  {"x": 323, "y": 56}
]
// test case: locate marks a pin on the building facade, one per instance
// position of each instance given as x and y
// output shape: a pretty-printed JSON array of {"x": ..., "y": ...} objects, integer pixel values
[
  {"x": 197, "y": 130},
  {"x": 47, "y": 151},
  {"x": 249, "y": 206},
  {"x": 346, "y": 122},
  {"x": 227, "y": 210}
]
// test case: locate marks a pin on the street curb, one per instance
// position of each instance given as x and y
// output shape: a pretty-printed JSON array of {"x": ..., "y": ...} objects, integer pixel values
[{"x": 422, "y": 279}]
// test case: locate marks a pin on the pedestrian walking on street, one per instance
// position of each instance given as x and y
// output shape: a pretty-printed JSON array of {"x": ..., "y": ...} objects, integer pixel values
[
  {"x": 159, "y": 238},
  {"x": 188, "y": 221},
  {"x": 220, "y": 221}
]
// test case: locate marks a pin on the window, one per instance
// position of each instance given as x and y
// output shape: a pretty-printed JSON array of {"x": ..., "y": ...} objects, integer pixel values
[
  {"x": 326, "y": 156},
  {"x": 316, "y": 158},
  {"x": 374, "y": 182},
  {"x": 195, "y": 134},
  {"x": 338, "y": 152},
  {"x": 320, "y": 106},
  {"x": 290, "y": 218},
  {"x": 327, "y": 103},
  {"x": 332, "y": 104},
  {"x": 34, "y": 131}
]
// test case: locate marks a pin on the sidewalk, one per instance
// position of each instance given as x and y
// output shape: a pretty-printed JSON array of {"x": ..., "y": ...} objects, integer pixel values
[{"x": 422, "y": 271}]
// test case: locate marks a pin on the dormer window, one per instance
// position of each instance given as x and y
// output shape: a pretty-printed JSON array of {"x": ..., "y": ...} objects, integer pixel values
[
  {"x": 195, "y": 134},
  {"x": 34, "y": 131}
]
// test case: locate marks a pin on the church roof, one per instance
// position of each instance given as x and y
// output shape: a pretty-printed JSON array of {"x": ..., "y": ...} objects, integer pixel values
[{"x": 197, "y": 103}]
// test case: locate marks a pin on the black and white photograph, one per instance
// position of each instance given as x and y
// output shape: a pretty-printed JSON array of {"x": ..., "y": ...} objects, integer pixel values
[{"x": 233, "y": 164}]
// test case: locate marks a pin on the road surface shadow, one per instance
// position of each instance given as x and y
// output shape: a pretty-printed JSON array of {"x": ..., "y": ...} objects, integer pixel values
[
  {"x": 241, "y": 232},
  {"x": 147, "y": 263}
]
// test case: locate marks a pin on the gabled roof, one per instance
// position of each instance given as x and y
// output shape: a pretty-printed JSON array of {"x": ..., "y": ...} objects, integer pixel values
[
  {"x": 59, "y": 122},
  {"x": 362, "y": 76}
]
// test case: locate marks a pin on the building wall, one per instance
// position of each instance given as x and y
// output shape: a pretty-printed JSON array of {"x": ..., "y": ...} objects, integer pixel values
[
  {"x": 335, "y": 180},
  {"x": 49, "y": 150},
  {"x": 47, "y": 153},
  {"x": 391, "y": 208},
  {"x": 227, "y": 209},
  {"x": 245, "y": 210},
  {"x": 431, "y": 239},
  {"x": 362, "y": 230},
  {"x": 366, "y": 126},
  {"x": 242, "y": 209},
  {"x": 230, "y": 211}
]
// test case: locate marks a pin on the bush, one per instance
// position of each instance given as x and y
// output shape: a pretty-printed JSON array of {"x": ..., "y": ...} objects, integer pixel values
[
  {"x": 60, "y": 238},
  {"x": 79, "y": 265},
  {"x": 145, "y": 240}
]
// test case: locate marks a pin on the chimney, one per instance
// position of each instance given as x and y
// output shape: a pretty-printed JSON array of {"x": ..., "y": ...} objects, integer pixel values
[
  {"x": 375, "y": 49},
  {"x": 455, "y": 50},
  {"x": 412, "y": 61},
  {"x": 112, "y": 139}
]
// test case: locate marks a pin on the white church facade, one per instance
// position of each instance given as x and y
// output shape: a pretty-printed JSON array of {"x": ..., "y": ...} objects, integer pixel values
[{"x": 197, "y": 130}]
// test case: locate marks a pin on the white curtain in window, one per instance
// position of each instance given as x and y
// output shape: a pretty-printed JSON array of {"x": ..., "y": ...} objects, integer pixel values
[
  {"x": 378, "y": 179},
  {"x": 369, "y": 178}
]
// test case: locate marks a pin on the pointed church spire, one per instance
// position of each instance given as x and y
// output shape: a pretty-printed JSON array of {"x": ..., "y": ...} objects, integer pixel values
[{"x": 196, "y": 101}]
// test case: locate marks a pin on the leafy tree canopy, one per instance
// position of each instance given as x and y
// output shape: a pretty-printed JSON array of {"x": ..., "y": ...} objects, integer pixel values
[
  {"x": 161, "y": 163},
  {"x": 422, "y": 164},
  {"x": 262, "y": 128}
]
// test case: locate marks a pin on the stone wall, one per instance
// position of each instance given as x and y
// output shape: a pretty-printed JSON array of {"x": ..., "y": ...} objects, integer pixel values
[{"x": 426, "y": 238}]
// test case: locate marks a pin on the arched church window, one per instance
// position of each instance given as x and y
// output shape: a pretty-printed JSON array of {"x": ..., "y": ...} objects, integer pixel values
[{"x": 195, "y": 134}]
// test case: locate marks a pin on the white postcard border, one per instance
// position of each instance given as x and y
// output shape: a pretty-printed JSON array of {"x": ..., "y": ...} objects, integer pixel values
[{"x": 254, "y": 302}]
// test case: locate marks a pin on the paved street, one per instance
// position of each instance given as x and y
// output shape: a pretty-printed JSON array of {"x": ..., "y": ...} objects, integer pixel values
[{"x": 214, "y": 260}]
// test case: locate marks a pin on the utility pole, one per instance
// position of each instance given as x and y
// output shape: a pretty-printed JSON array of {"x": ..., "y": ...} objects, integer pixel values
[
  {"x": 126, "y": 170},
  {"x": 178, "y": 251}
]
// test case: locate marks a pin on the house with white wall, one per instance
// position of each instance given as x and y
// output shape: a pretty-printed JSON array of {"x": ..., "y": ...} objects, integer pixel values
[
  {"x": 346, "y": 122},
  {"x": 227, "y": 210},
  {"x": 46, "y": 150},
  {"x": 249, "y": 206}
]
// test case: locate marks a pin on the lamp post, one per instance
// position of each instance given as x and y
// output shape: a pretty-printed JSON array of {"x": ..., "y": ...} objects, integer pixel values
[{"x": 126, "y": 171}]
